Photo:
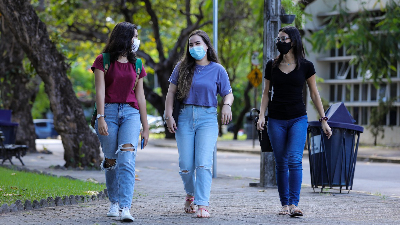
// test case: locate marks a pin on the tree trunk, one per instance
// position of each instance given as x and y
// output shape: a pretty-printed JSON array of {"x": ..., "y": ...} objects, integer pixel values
[
  {"x": 18, "y": 89},
  {"x": 246, "y": 109},
  {"x": 81, "y": 145}
]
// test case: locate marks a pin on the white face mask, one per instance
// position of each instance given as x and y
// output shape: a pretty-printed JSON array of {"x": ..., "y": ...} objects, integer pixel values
[{"x": 135, "y": 45}]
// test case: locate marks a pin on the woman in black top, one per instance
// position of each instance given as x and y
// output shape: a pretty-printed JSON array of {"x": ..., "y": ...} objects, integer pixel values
[{"x": 287, "y": 116}]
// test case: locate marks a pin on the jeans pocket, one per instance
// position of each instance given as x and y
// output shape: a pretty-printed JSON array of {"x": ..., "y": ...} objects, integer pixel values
[
  {"x": 211, "y": 110},
  {"x": 106, "y": 105}
]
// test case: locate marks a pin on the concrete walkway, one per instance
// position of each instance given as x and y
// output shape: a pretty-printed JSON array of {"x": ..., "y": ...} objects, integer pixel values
[{"x": 159, "y": 196}]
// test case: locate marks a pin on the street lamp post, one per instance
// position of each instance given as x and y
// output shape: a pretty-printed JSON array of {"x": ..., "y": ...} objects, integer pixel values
[{"x": 215, "y": 35}]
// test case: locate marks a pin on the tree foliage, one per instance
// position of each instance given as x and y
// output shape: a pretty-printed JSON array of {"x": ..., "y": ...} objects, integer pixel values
[{"x": 378, "y": 118}]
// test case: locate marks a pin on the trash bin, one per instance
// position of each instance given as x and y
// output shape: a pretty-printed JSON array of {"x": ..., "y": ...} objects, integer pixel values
[
  {"x": 9, "y": 128},
  {"x": 333, "y": 161}
]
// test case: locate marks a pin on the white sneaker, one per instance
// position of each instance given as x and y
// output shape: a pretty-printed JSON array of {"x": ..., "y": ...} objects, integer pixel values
[
  {"x": 114, "y": 210},
  {"x": 126, "y": 215}
]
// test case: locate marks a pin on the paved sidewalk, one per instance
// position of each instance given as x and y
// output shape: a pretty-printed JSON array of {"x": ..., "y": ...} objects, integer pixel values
[{"x": 159, "y": 198}]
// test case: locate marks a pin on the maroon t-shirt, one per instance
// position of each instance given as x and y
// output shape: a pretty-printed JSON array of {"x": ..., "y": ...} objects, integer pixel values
[{"x": 119, "y": 81}]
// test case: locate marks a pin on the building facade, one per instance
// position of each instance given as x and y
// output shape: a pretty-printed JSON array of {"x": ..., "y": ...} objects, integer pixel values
[{"x": 343, "y": 83}]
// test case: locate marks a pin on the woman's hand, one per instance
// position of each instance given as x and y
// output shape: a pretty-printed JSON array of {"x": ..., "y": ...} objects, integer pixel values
[
  {"x": 326, "y": 128},
  {"x": 260, "y": 122},
  {"x": 102, "y": 126},
  {"x": 171, "y": 125},
  {"x": 145, "y": 136},
  {"x": 226, "y": 114}
]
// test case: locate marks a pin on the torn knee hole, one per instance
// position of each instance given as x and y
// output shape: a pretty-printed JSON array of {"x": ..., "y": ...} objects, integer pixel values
[
  {"x": 185, "y": 171},
  {"x": 109, "y": 163},
  {"x": 127, "y": 147}
]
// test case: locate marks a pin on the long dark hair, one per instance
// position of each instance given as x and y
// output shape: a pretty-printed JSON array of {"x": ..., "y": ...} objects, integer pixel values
[
  {"x": 298, "y": 50},
  {"x": 120, "y": 42},
  {"x": 187, "y": 64}
]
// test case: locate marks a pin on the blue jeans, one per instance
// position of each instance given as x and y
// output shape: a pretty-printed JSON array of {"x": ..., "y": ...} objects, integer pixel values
[
  {"x": 288, "y": 138},
  {"x": 123, "y": 123},
  {"x": 196, "y": 138}
]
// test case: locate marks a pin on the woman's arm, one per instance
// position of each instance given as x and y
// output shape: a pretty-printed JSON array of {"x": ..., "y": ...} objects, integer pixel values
[
  {"x": 100, "y": 93},
  {"x": 263, "y": 107},
  {"x": 226, "y": 111},
  {"x": 314, "y": 94},
  {"x": 169, "y": 103},
  {"x": 139, "y": 92}
]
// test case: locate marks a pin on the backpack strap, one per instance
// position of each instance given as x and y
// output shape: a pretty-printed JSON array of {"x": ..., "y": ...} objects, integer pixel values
[
  {"x": 138, "y": 66},
  {"x": 106, "y": 62}
]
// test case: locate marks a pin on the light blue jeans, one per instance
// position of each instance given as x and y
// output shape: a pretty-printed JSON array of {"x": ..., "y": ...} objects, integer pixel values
[
  {"x": 123, "y": 123},
  {"x": 288, "y": 138},
  {"x": 196, "y": 138}
]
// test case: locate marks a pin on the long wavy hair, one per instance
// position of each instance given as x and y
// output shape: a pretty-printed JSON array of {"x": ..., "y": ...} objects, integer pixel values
[
  {"x": 120, "y": 42},
  {"x": 297, "y": 46},
  {"x": 188, "y": 63}
]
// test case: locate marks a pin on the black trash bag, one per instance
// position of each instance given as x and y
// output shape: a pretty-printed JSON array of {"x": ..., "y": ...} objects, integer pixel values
[{"x": 263, "y": 137}]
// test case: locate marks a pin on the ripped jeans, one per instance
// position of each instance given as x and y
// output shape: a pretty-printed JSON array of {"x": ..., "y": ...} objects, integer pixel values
[
  {"x": 123, "y": 123},
  {"x": 196, "y": 138}
]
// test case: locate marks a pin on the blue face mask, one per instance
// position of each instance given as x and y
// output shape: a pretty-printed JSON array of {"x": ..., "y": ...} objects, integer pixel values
[{"x": 197, "y": 52}]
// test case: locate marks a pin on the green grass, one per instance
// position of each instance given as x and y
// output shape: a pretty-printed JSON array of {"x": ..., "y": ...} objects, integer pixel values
[
  {"x": 229, "y": 136},
  {"x": 16, "y": 185}
]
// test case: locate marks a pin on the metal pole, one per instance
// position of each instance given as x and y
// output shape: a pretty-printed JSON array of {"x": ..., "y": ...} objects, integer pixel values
[{"x": 215, "y": 35}]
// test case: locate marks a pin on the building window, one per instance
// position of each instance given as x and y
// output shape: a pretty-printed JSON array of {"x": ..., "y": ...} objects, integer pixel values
[
  {"x": 356, "y": 113},
  {"x": 373, "y": 92},
  {"x": 382, "y": 92},
  {"x": 364, "y": 115},
  {"x": 333, "y": 70},
  {"x": 356, "y": 93},
  {"x": 364, "y": 92},
  {"x": 392, "y": 72},
  {"x": 393, "y": 91},
  {"x": 393, "y": 117},
  {"x": 348, "y": 93},
  {"x": 332, "y": 93},
  {"x": 339, "y": 93}
]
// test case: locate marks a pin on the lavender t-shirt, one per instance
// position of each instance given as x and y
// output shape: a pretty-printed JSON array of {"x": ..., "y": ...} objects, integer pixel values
[{"x": 208, "y": 81}]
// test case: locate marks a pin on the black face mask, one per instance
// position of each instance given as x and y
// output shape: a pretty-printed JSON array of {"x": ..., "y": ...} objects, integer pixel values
[{"x": 283, "y": 47}]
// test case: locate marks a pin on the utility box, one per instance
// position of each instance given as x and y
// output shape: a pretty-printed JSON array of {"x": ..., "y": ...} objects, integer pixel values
[{"x": 333, "y": 161}]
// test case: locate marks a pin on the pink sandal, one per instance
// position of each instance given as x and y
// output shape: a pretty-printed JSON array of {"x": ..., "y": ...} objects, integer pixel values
[
  {"x": 190, "y": 209},
  {"x": 201, "y": 215}
]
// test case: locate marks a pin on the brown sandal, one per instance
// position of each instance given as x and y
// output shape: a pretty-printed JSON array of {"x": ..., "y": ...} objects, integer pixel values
[
  {"x": 294, "y": 211},
  {"x": 189, "y": 209},
  {"x": 284, "y": 210}
]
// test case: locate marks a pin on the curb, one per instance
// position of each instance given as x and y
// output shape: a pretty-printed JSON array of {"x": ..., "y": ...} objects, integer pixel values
[
  {"x": 305, "y": 154},
  {"x": 50, "y": 201}
]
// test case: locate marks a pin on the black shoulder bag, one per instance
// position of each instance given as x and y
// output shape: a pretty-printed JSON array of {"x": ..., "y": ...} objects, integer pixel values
[{"x": 263, "y": 137}]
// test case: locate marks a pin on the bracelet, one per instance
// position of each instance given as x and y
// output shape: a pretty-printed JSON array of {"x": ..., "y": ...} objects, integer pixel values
[
  {"x": 227, "y": 104},
  {"x": 323, "y": 118},
  {"x": 166, "y": 118}
]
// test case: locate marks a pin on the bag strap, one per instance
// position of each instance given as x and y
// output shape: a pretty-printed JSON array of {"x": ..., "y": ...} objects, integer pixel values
[
  {"x": 270, "y": 83},
  {"x": 138, "y": 66},
  {"x": 106, "y": 62}
]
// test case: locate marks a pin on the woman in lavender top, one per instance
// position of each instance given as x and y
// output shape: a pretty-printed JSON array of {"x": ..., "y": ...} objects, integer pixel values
[{"x": 196, "y": 80}]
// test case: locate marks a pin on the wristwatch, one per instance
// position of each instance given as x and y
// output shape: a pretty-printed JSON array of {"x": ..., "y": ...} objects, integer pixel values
[{"x": 99, "y": 115}]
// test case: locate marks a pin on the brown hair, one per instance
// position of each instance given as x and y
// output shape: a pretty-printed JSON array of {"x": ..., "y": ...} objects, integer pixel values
[{"x": 188, "y": 63}]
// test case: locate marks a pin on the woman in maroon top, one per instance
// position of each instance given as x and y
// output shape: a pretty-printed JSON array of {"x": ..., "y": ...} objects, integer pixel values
[{"x": 121, "y": 107}]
